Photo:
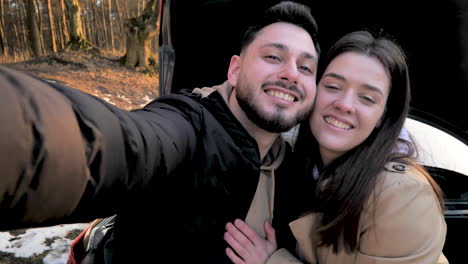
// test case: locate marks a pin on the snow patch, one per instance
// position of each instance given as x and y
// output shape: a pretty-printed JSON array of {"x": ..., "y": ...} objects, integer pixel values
[{"x": 38, "y": 240}]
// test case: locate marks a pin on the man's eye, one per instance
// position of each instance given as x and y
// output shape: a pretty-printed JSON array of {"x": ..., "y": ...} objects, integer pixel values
[
  {"x": 272, "y": 58},
  {"x": 306, "y": 69}
]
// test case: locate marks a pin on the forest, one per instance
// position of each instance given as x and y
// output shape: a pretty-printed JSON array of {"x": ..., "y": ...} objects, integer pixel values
[{"x": 34, "y": 28}]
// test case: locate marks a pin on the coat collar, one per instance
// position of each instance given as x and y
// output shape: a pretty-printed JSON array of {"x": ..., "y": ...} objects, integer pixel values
[{"x": 218, "y": 96}]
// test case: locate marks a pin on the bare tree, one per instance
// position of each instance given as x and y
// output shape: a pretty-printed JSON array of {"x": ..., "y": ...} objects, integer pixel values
[
  {"x": 3, "y": 45},
  {"x": 39, "y": 24},
  {"x": 65, "y": 30},
  {"x": 53, "y": 41},
  {"x": 111, "y": 28},
  {"x": 77, "y": 38},
  {"x": 19, "y": 33},
  {"x": 33, "y": 28},
  {"x": 22, "y": 30},
  {"x": 96, "y": 20},
  {"x": 139, "y": 31},
  {"x": 104, "y": 27},
  {"x": 120, "y": 23},
  {"x": 127, "y": 9}
]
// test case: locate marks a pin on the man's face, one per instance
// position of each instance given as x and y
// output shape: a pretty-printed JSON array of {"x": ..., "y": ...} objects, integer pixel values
[{"x": 274, "y": 77}]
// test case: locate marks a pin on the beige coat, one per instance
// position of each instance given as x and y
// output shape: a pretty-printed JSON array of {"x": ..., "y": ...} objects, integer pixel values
[{"x": 408, "y": 226}]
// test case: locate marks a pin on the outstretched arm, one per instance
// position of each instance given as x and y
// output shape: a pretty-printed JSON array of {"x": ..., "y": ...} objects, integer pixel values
[{"x": 63, "y": 151}]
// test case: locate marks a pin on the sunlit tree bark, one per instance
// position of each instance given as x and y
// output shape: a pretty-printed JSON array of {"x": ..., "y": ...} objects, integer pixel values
[
  {"x": 53, "y": 41},
  {"x": 77, "y": 39},
  {"x": 139, "y": 31},
  {"x": 65, "y": 30}
]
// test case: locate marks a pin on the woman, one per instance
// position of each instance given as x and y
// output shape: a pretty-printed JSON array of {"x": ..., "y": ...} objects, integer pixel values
[{"x": 372, "y": 204}]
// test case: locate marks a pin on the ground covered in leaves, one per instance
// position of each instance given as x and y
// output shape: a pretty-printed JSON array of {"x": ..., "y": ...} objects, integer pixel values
[{"x": 101, "y": 75}]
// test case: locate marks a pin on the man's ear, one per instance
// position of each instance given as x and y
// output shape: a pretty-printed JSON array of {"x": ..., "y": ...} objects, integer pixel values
[{"x": 233, "y": 72}]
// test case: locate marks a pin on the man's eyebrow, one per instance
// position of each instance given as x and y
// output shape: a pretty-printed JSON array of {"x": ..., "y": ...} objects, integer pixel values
[
  {"x": 342, "y": 78},
  {"x": 280, "y": 46}
]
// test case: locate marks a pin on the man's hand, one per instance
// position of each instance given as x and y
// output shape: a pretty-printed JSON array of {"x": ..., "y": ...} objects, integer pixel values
[{"x": 247, "y": 247}]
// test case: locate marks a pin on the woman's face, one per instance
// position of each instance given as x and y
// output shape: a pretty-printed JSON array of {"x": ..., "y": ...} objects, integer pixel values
[{"x": 351, "y": 99}]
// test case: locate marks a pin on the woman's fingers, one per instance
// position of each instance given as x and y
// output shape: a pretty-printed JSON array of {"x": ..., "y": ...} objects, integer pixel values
[
  {"x": 233, "y": 257},
  {"x": 270, "y": 233},
  {"x": 248, "y": 232},
  {"x": 237, "y": 241},
  {"x": 247, "y": 246}
]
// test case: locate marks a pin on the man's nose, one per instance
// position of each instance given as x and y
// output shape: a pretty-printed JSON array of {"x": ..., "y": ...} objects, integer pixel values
[{"x": 289, "y": 72}]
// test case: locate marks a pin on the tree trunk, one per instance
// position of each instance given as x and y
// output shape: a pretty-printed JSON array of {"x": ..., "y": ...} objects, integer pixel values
[
  {"x": 77, "y": 38},
  {"x": 3, "y": 44},
  {"x": 127, "y": 9},
  {"x": 85, "y": 23},
  {"x": 139, "y": 31},
  {"x": 39, "y": 23},
  {"x": 97, "y": 36},
  {"x": 20, "y": 30},
  {"x": 53, "y": 41},
  {"x": 60, "y": 38},
  {"x": 120, "y": 23},
  {"x": 23, "y": 33},
  {"x": 3, "y": 47},
  {"x": 65, "y": 30},
  {"x": 89, "y": 23},
  {"x": 104, "y": 25},
  {"x": 111, "y": 28},
  {"x": 33, "y": 28},
  {"x": 139, "y": 7}
]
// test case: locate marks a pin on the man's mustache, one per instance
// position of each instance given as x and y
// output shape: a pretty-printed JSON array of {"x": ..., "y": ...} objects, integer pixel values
[{"x": 292, "y": 88}]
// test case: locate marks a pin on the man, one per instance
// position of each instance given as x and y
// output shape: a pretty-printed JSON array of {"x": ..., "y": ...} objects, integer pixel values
[{"x": 175, "y": 171}]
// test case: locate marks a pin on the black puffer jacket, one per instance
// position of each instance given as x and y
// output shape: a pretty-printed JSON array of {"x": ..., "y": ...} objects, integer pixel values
[{"x": 175, "y": 171}]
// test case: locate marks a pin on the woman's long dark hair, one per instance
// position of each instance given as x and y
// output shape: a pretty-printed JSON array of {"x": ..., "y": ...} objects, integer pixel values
[{"x": 345, "y": 185}]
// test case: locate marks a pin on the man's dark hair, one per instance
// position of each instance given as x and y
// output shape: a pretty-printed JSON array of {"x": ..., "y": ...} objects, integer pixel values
[{"x": 287, "y": 12}]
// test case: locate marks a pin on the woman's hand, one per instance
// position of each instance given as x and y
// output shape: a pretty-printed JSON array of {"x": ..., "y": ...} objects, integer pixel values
[{"x": 247, "y": 247}]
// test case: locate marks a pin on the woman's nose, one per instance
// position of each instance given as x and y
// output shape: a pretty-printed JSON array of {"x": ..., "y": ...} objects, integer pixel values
[{"x": 345, "y": 103}]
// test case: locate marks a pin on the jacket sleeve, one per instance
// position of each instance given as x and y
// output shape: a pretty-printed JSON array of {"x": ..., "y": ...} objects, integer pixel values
[
  {"x": 62, "y": 150},
  {"x": 408, "y": 226}
]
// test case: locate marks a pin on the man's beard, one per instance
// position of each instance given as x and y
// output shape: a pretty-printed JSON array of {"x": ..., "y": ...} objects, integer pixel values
[{"x": 275, "y": 122}]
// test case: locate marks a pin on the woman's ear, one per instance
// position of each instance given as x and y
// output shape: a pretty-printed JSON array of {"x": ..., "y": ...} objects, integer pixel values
[{"x": 233, "y": 71}]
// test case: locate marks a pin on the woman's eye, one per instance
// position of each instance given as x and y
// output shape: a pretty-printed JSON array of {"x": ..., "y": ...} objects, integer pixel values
[
  {"x": 368, "y": 99},
  {"x": 332, "y": 87}
]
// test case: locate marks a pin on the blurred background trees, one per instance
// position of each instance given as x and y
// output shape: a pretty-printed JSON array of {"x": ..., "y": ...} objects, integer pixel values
[{"x": 124, "y": 28}]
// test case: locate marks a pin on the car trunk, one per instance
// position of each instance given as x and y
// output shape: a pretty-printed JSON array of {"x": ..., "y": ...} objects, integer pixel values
[{"x": 198, "y": 38}]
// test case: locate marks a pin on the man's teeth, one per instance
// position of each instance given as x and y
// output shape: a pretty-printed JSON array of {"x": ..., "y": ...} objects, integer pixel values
[
  {"x": 337, "y": 123},
  {"x": 281, "y": 95}
]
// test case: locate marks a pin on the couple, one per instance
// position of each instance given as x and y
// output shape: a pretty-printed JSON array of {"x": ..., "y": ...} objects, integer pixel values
[
  {"x": 197, "y": 163},
  {"x": 369, "y": 202}
]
